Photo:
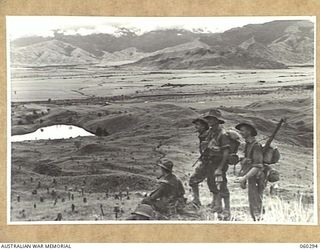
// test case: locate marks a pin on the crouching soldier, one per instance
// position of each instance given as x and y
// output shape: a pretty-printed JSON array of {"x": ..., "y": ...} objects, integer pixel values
[
  {"x": 142, "y": 212},
  {"x": 252, "y": 170},
  {"x": 168, "y": 197},
  {"x": 202, "y": 170}
]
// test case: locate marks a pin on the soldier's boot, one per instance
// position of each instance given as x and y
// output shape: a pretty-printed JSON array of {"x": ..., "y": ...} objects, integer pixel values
[
  {"x": 196, "y": 196},
  {"x": 226, "y": 214},
  {"x": 216, "y": 204}
]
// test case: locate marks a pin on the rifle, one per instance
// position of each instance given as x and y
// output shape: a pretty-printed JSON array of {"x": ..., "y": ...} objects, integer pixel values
[
  {"x": 196, "y": 162},
  {"x": 200, "y": 157},
  {"x": 272, "y": 155}
]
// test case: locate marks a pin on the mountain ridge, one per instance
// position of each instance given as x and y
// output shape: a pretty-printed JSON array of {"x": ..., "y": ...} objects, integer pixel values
[{"x": 272, "y": 44}]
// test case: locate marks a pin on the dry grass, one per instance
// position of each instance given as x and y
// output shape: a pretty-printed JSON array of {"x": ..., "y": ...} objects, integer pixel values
[
  {"x": 277, "y": 211},
  {"x": 294, "y": 211}
]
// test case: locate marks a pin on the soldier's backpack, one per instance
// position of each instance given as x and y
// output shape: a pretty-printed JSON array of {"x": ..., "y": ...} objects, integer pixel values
[
  {"x": 234, "y": 139},
  {"x": 270, "y": 155}
]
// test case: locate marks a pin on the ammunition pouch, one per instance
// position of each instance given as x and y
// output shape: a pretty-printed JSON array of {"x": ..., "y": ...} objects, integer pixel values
[{"x": 271, "y": 174}]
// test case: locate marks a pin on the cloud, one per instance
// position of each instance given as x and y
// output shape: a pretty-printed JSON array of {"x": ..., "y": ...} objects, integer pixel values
[{"x": 20, "y": 26}]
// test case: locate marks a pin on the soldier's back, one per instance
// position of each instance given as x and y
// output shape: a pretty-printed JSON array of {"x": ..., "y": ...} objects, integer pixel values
[{"x": 176, "y": 186}]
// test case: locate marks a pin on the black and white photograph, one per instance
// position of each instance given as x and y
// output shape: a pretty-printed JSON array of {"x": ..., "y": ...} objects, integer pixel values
[{"x": 161, "y": 120}]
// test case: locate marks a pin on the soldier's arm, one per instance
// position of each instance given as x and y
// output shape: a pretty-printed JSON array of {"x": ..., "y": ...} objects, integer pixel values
[
  {"x": 225, "y": 154},
  {"x": 160, "y": 192},
  {"x": 225, "y": 147},
  {"x": 257, "y": 161}
]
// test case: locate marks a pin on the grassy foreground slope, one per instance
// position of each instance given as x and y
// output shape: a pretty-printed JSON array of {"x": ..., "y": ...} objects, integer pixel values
[{"x": 140, "y": 133}]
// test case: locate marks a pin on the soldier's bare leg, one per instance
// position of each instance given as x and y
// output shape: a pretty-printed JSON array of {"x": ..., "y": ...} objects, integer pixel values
[
  {"x": 216, "y": 203},
  {"x": 255, "y": 198},
  {"x": 199, "y": 175},
  {"x": 225, "y": 194}
]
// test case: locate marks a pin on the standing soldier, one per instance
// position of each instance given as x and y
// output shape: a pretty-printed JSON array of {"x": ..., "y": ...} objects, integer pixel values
[
  {"x": 252, "y": 170},
  {"x": 202, "y": 171},
  {"x": 216, "y": 155},
  {"x": 168, "y": 198}
]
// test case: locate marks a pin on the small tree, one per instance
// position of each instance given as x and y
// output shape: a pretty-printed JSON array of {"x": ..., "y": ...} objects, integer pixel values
[{"x": 99, "y": 131}]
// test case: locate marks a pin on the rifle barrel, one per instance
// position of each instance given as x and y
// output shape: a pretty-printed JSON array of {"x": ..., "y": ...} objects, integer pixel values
[{"x": 270, "y": 139}]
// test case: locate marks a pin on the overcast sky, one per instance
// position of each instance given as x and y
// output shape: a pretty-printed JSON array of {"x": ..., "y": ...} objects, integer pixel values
[{"x": 20, "y": 26}]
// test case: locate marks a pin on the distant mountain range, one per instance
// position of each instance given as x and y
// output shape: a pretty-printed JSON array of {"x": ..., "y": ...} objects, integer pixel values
[{"x": 276, "y": 44}]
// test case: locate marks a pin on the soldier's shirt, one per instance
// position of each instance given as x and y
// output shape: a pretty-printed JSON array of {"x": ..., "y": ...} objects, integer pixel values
[
  {"x": 254, "y": 152},
  {"x": 169, "y": 187},
  {"x": 217, "y": 142}
]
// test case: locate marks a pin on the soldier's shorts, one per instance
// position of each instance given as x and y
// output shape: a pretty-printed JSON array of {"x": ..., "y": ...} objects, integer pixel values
[{"x": 202, "y": 172}]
